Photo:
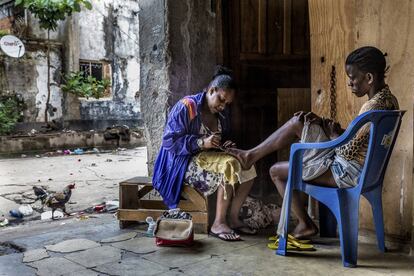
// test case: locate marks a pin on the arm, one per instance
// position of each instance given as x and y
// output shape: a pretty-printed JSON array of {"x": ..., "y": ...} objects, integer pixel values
[
  {"x": 177, "y": 137},
  {"x": 332, "y": 129}
]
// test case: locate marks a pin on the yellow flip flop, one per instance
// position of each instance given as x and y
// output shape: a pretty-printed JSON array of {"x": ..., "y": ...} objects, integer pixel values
[
  {"x": 290, "y": 238},
  {"x": 292, "y": 246}
]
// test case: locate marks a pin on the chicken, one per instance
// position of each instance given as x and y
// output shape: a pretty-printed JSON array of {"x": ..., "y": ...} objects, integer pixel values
[
  {"x": 55, "y": 200},
  {"x": 40, "y": 193}
]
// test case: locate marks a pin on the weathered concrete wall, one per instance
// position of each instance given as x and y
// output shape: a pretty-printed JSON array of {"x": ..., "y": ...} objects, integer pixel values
[
  {"x": 192, "y": 37},
  {"x": 154, "y": 80},
  {"x": 27, "y": 76},
  {"x": 65, "y": 140},
  {"x": 177, "y": 45},
  {"x": 110, "y": 32}
]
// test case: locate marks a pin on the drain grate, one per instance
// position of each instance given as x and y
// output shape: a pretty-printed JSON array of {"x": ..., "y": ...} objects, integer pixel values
[{"x": 7, "y": 248}]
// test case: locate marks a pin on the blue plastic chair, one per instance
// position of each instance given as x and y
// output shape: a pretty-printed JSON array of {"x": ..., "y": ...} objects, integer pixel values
[{"x": 344, "y": 202}]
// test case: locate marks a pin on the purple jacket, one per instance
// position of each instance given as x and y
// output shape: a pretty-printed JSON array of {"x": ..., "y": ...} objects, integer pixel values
[{"x": 179, "y": 144}]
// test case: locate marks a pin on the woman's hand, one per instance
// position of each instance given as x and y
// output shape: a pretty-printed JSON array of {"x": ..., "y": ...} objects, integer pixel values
[
  {"x": 312, "y": 118},
  {"x": 332, "y": 129},
  {"x": 212, "y": 142},
  {"x": 228, "y": 144},
  {"x": 308, "y": 117}
]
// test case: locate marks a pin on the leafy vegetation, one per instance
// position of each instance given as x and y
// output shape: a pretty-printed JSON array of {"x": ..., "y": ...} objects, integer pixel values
[
  {"x": 11, "y": 112},
  {"x": 49, "y": 12},
  {"x": 81, "y": 86}
]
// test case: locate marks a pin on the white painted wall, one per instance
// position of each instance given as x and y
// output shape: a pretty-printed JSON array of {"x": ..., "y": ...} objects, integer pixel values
[
  {"x": 41, "y": 81},
  {"x": 123, "y": 39}
]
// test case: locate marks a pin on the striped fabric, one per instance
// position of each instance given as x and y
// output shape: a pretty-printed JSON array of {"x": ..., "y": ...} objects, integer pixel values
[{"x": 191, "y": 107}]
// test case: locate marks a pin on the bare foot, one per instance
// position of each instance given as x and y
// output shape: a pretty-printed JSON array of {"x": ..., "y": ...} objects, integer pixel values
[
  {"x": 240, "y": 155},
  {"x": 303, "y": 230},
  {"x": 220, "y": 228},
  {"x": 241, "y": 228}
]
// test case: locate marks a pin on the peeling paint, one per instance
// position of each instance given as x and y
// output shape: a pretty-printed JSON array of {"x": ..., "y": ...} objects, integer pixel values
[{"x": 55, "y": 93}]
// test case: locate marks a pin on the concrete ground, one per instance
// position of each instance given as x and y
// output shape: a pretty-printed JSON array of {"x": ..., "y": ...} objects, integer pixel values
[
  {"x": 94, "y": 244},
  {"x": 96, "y": 177},
  {"x": 97, "y": 246}
]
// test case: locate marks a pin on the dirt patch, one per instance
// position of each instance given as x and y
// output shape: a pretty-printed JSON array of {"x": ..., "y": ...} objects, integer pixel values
[{"x": 7, "y": 248}]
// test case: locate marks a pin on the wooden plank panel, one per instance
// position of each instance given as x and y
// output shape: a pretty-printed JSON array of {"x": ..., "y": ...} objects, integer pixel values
[
  {"x": 275, "y": 25},
  {"x": 289, "y": 101},
  {"x": 197, "y": 199},
  {"x": 262, "y": 26},
  {"x": 249, "y": 26},
  {"x": 287, "y": 26},
  {"x": 128, "y": 196},
  {"x": 388, "y": 25},
  {"x": 331, "y": 30},
  {"x": 300, "y": 28},
  {"x": 141, "y": 180},
  {"x": 337, "y": 27}
]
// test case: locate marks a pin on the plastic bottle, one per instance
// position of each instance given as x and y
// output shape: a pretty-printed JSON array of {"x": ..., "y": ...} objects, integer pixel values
[{"x": 151, "y": 227}]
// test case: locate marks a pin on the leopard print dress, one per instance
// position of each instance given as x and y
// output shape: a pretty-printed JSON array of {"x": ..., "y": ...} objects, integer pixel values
[{"x": 356, "y": 148}]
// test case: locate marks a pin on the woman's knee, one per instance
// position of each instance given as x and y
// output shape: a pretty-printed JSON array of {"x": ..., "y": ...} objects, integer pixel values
[{"x": 276, "y": 172}]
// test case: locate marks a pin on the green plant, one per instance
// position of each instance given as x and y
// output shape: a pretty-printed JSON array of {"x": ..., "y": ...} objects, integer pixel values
[
  {"x": 11, "y": 109},
  {"x": 3, "y": 33},
  {"x": 81, "y": 86},
  {"x": 49, "y": 12}
]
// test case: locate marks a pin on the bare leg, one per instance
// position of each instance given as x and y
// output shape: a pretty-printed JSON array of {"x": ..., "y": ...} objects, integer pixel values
[
  {"x": 241, "y": 193},
  {"x": 220, "y": 224},
  {"x": 281, "y": 138},
  {"x": 306, "y": 227}
]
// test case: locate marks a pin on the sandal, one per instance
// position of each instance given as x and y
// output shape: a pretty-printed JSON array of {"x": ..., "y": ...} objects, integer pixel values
[
  {"x": 290, "y": 238},
  {"x": 226, "y": 236},
  {"x": 292, "y": 246}
]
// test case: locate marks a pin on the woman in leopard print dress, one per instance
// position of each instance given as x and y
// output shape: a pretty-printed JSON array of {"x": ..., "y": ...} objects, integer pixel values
[{"x": 338, "y": 167}]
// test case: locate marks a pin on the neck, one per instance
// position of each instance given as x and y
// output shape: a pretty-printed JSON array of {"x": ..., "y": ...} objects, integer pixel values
[
  {"x": 205, "y": 109},
  {"x": 376, "y": 88}
]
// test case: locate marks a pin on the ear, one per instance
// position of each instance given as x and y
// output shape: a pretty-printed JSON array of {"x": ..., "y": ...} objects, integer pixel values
[
  {"x": 370, "y": 78},
  {"x": 211, "y": 90}
]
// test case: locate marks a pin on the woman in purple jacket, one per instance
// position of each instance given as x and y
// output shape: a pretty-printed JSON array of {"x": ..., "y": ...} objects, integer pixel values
[{"x": 198, "y": 123}]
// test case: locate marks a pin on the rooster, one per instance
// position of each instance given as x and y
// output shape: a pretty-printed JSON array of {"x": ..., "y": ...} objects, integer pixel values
[{"x": 55, "y": 200}]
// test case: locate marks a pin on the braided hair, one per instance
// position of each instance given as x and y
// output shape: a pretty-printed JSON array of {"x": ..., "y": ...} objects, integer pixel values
[
  {"x": 222, "y": 79},
  {"x": 369, "y": 59}
]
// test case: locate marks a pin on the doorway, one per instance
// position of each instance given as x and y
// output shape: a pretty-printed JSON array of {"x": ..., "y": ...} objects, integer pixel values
[{"x": 266, "y": 44}]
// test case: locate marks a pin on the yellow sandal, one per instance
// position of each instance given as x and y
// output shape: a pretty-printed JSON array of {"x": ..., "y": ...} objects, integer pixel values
[{"x": 290, "y": 238}]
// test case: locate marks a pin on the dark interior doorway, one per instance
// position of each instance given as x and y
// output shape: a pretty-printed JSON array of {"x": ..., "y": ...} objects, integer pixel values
[{"x": 266, "y": 43}]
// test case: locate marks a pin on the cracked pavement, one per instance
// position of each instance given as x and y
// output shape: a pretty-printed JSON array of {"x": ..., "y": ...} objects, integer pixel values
[{"x": 96, "y": 176}]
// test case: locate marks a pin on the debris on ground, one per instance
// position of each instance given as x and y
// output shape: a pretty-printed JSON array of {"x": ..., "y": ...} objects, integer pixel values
[
  {"x": 26, "y": 210},
  {"x": 4, "y": 222},
  {"x": 108, "y": 206},
  {"x": 16, "y": 213},
  {"x": 78, "y": 151},
  {"x": 82, "y": 217},
  {"x": 112, "y": 205},
  {"x": 48, "y": 215}
]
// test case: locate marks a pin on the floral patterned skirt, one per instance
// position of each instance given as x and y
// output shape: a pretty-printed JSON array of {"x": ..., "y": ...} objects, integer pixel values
[{"x": 207, "y": 182}]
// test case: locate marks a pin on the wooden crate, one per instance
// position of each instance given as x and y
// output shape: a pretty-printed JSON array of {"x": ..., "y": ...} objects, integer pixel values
[{"x": 133, "y": 207}]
